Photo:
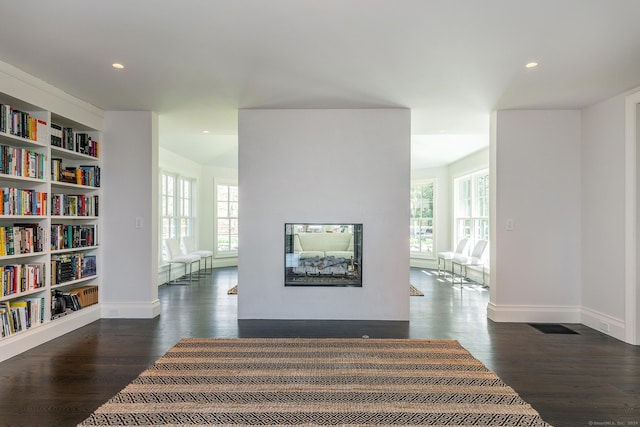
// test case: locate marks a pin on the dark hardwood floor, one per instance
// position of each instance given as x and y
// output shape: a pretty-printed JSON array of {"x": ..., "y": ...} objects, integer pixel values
[{"x": 586, "y": 379}]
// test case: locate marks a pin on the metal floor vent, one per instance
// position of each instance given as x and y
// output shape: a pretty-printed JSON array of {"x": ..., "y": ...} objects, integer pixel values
[{"x": 552, "y": 328}]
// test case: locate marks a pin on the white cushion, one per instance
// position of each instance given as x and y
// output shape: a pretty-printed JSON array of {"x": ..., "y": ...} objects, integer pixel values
[
  {"x": 446, "y": 255},
  {"x": 185, "y": 258},
  {"x": 202, "y": 253}
]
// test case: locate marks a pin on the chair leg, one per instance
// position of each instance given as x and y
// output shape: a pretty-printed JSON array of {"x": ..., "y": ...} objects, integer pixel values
[
  {"x": 191, "y": 271},
  {"x": 182, "y": 279},
  {"x": 207, "y": 270},
  {"x": 453, "y": 274}
]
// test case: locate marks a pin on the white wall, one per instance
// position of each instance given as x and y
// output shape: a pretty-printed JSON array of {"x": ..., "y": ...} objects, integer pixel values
[
  {"x": 130, "y": 191},
  {"x": 474, "y": 162},
  {"x": 536, "y": 269},
  {"x": 341, "y": 166},
  {"x": 175, "y": 163},
  {"x": 603, "y": 220}
]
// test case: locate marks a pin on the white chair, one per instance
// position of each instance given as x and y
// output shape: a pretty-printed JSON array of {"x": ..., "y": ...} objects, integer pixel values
[
  {"x": 189, "y": 248},
  {"x": 461, "y": 247},
  {"x": 474, "y": 260},
  {"x": 176, "y": 256}
]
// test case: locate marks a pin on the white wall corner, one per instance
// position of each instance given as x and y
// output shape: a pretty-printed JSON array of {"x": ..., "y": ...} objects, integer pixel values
[
  {"x": 533, "y": 313},
  {"x": 129, "y": 310},
  {"x": 603, "y": 323},
  {"x": 632, "y": 294}
]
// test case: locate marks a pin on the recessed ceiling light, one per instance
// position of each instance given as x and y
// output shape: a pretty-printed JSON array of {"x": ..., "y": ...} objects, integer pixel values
[
  {"x": 117, "y": 65},
  {"x": 205, "y": 131},
  {"x": 531, "y": 64}
]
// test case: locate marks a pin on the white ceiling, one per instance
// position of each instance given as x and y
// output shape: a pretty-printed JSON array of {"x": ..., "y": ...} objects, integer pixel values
[{"x": 451, "y": 62}]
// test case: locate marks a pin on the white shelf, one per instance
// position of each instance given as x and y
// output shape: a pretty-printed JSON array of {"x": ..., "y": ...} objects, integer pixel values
[
  {"x": 60, "y": 184},
  {"x": 68, "y": 154},
  {"x": 66, "y": 251},
  {"x": 20, "y": 295},
  {"x": 18, "y": 141},
  {"x": 74, "y": 282},
  {"x": 19, "y": 178},
  {"x": 24, "y": 217},
  {"x": 25, "y": 340},
  {"x": 21, "y": 256},
  {"x": 75, "y": 218},
  {"x": 82, "y": 122}
]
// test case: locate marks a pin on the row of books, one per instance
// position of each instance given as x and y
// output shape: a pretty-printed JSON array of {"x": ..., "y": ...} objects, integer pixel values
[
  {"x": 72, "y": 236},
  {"x": 20, "y": 123},
  {"x": 80, "y": 142},
  {"x": 18, "y": 316},
  {"x": 74, "y": 205},
  {"x": 68, "y": 267},
  {"x": 18, "y": 278},
  {"x": 82, "y": 175},
  {"x": 22, "y": 162},
  {"x": 63, "y": 303},
  {"x": 21, "y": 239},
  {"x": 17, "y": 201}
]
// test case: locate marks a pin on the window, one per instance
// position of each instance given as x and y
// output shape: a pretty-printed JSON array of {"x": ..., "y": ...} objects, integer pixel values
[
  {"x": 471, "y": 211},
  {"x": 167, "y": 206},
  {"x": 421, "y": 230},
  {"x": 176, "y": 206},
  {"x": 226, "y": 219}
]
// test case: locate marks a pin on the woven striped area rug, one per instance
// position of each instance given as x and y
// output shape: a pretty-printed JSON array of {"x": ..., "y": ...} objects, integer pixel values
[{"x": 312, "y": 382}]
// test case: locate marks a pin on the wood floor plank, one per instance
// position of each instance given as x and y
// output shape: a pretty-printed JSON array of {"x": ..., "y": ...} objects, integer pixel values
[{"x": 571, "y": 380}]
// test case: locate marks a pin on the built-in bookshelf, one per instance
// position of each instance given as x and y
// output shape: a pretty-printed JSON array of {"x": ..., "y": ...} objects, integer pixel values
[{"x": 49, "y": 225}]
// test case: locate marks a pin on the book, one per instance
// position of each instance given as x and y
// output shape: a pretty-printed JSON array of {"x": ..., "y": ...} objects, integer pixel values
[
  {"x": 67, "y": 138},
  {"x": 20, "y": 309},
  {"x": 56, "y": 169},
  {"x": 56, "y": 135},
  {"x": 41, "y": 131}
]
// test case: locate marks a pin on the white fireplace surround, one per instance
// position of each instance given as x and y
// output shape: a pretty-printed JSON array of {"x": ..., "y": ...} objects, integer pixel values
[{"x": 282, "y": 154}]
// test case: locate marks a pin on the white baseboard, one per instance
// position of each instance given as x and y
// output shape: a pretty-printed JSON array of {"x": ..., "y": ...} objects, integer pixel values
[
  {"x": 23, "y": 341},
  {"x": 558, "y": 314},
  {"x": 603, "y": 322},
  {"x": 131, "y": 310},
  {"x": 534, "y": 313},
  {"x": 423, "y": 263},
  {"x": 225, "y": 262}
]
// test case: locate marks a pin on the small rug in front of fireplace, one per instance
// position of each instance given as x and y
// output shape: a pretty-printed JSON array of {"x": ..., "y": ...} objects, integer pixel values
[{"x": 414, "y": 292}]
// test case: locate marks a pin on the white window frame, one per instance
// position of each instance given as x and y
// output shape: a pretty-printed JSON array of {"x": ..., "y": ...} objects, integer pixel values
[
  {"x": 179, "y": 212},
  {"x": 218, "y": 252},
  {"x": 424, "y": 228},
  {"x": 472, "y": 220}
]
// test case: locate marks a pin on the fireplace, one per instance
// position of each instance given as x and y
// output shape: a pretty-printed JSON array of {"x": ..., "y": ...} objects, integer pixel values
[{"x": 322, "y": 254}]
